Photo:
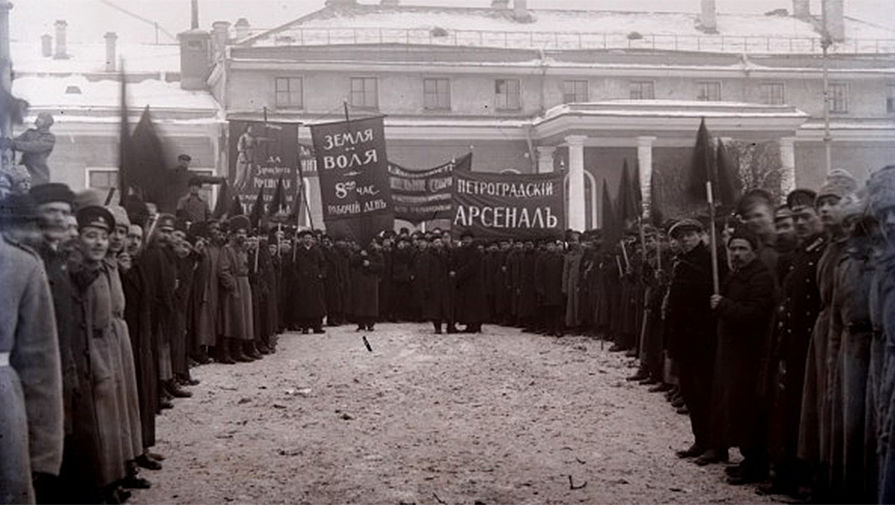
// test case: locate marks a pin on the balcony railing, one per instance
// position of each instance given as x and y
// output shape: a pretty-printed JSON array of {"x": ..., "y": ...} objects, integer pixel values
[{"x": 569, "y": 40}]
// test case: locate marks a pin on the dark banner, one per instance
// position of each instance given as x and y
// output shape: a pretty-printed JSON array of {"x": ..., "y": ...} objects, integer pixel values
[
  {"x": 261, "y": 153},
  {"x": 424, "y": 195},
  {"x": 353, "y": 170},
  {"x": 494, "y": 206}
]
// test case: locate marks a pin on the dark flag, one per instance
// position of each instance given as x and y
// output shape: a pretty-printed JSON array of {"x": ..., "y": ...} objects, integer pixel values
[
  {"x": 628, "y": 201},
  {"x": 257, "y": 212},
  {"x": 727, "y": 188},
  {"x": 278, "y": 201},
  {"x": 609, "y": 224},
  {"x": 225, "y": 200},
  {"x": 236, "y": 207},
  {"x": 148, "y": 161},
  {"x": 704, "y": 184}
]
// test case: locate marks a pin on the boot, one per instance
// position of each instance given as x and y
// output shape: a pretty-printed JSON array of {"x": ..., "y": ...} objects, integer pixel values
[
  {"x": 452, "y": 328},
  {"x": 175, "y": 390},
  {"x": 223, "y": 353},
  {"x": 437, "y": 325},
  {"x": 236, "y": 351},
  {"x": 145, "y": 461},
  {"x": 250, "y": 350},
  {"x": 691, "y": 452},
  {"x": 263, "y": 349},
  {"x": 133, "y": 480}
]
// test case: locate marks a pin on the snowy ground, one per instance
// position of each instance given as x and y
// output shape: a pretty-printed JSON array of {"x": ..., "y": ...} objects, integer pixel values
[{"x": 498, "y": 418}]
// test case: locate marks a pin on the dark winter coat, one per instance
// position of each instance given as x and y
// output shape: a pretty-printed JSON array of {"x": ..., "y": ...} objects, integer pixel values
[
  {"x": 471, "y": 304},
  {"x": 365, "y": 284},
  {"x": 691, "y": 325},
  {"x": 335, "y": 284},
  {"x": 308, "y": 298},
  {"x": 743, "y": 317},
  {"x": 548, "y": 279},
  {"x": 433, "y": 266},
  {"x": 136, "y": 314}
]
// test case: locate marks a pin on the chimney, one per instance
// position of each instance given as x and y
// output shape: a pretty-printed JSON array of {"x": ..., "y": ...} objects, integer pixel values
[
  {"x": 46, "y": 45},
  {"x": 194, "y": 14},
  {"x": 801, "y": 9},
  {"x": 833, "y": 18},
  {"x": 111, "y": 38},
  {"x": 242, "y": 28},
  {"x": 220, "y": 34},
  {"x": 500, "y": 4},
  {"x": 707, "y": 19},
  {"x": 61, "y": 45},
  {"x": 520, "y": 11},
  {"x": 195, "y": 59}
]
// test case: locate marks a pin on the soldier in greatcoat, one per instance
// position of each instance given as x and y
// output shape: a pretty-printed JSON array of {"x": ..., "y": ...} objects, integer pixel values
[
  {"x": 571, "y": 276},
  {"x": 466, "y": 271},
  {"x": 815, "y": 442},
  {"x": 206, "y": 292},
  {"x": 795, "y": 318},
  {"x": 308, "y": 298},
  {"x": 236, "y": 300},
  {"x": 31, "y": 404}
]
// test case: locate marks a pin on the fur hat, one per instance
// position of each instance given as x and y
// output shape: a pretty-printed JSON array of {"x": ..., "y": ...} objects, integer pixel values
[
  {"x": 743, "y": 233},
  {"x": 881, "y": 189},
  {"x": 52, "y": 192},
  {"x": 120, "y": 215},
  {"x": 838, "y": 183}
]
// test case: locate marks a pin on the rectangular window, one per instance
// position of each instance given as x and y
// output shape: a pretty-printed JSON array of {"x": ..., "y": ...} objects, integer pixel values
[
  {"x": 890, "y": 98},
  {"x": 574, "y": 91},
  {"x": 364, "y": 92},
  {"x": 437, "y": 94},
  {"x": 642, "y": 90},
  {"x": 289, "y": 91},
  {"x": 102, "y": 178},
  {"x": 838, "y": 98},
  {"x": 772, "y": 93},
  {"x": 507, "y": 94},
  {"x": 709, "y": 91}
]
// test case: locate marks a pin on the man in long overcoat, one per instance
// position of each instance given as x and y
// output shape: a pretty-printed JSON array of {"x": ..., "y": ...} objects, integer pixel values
[
  {"x": 692, "y": 332},
  {"x": 796, "y": 316},
  {"x": 31, "y": 406},
  {"x": 236, "y": 292},
  {"x": 366, "y": 272},
  {"x": 744, "y": 310},
  {"x": 471, "y": 306},
  {"x": 549, "y": 287},
  {"x": 308, "y": 298},
  {"x": 434, "y": 267}
]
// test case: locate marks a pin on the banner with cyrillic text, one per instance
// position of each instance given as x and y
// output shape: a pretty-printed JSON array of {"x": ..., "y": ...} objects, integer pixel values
[
  {"x": 520, "y": 206},
  {"x": 353, "y": 168},
  {"x": 424, "y": 195},
  {"x": 262, "y": 153}
]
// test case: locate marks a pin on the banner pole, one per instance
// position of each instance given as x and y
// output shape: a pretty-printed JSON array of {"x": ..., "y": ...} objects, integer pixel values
[
  {"x": 345, "y": 106},
  {"x": 713, "y": 240}
]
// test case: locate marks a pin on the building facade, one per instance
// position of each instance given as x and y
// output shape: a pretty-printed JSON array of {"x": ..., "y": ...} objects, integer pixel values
[{"x": 579, "y": 91}]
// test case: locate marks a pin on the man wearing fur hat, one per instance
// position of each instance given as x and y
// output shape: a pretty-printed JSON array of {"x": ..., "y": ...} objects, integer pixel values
[
  {"x": 814, "y": 430},
  {"x": 881, "y": 199}
]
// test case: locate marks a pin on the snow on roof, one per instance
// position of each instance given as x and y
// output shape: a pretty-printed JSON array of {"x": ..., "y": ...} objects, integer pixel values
[
  {"x": 90, "y": 58},
  {"x": 76, "y": 92},
  {"x": 455, "y": 25},
  {"x": 671, "y": 108}
]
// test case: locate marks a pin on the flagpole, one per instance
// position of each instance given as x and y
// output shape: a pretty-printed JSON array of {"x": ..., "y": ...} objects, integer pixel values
[
  {"x": 625, "y": 254},
  {"x": 713, "y": 240}
]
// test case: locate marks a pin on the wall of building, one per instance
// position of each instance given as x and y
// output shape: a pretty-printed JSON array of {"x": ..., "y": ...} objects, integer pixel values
[{"x": 859, "y": 158}]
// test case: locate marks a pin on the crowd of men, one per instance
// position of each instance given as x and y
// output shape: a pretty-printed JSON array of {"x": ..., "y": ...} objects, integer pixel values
[{"x": 791, "y": 360}]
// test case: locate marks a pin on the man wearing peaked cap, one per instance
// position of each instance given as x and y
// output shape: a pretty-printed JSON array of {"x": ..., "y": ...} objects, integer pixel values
[
  {"x": 237, "y": 323},
  {"x": 677, "y": 229},
  {"x": 796, "y": 316},
  {"x": 95, "y": 216}
]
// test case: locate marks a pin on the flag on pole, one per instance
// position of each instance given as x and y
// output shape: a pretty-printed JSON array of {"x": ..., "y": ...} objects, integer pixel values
[
  {"x": 628, "y": 203},
  {"x": 611, "y": 231},
  {"x": 235, "y": 207},
  {"x": 278, "y": 202},
  {"x": 224, "y": 202},
  {"x": 124, "y": 141},
  {"x": 257, "y": 212}
]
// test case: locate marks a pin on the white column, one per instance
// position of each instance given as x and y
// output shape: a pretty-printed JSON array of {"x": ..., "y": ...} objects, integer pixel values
[
  {"x": 576, "y": 211},
  {"x": 787, "y": 164},
  {"x": 545, "y": 159},
  {"x": 645, "y": 170}
]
